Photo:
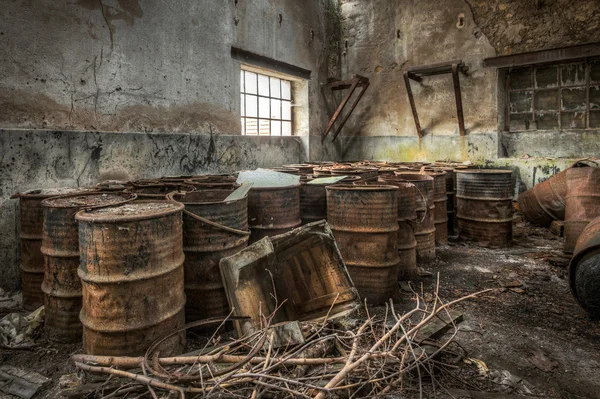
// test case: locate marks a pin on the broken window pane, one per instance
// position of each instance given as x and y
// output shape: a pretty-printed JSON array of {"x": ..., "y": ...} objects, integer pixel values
[
  {"x": 520, "y": 101},
  {"x": 594, "y": 118},
  {"x": 546, "y": 77},
  {"x": 546, "y": 121},
  {"x": 263, "y": 85},
  {"x": 520, "y": 122},
  {"x": 520, "y": 79},
  {"x": 546, "y": 100},
  {"x": 573, "y": 74},
  {"x": 595, "y": 71},
  {"x": 594, "y": 97},
  {"x": 573, "y": 120},
  {"x": 573, "y": 99}
]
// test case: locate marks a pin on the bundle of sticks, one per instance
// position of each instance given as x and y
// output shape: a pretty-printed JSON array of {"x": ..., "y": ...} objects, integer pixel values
[{"x": 372, "y": 356}]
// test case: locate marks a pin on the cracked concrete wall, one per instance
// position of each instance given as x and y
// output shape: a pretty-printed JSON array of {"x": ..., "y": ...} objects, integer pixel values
[
  {"x": 132, "y": 65},
  {"x": 42, "y": 159}
]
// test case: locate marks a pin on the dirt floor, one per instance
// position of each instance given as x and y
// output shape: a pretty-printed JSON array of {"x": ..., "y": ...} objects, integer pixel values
[{"x": 530, "y": 335}]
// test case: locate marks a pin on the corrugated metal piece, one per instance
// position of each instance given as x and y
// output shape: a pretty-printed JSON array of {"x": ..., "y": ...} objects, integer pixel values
[
  {"x": 484, "y": 206},
  {"x": 273, "y": 210},
  {"x": 364, "y": 221},
  {"x": 424, "y": 227},
  {"x": 302, "y": 270},
  {"x": 584, "y": 269},
  {"x": 132, "y": 277},
  {"x": 582, "y": 202},
  {"x": 31, "y": 215},
  {"x": 60, "y": 248},
  {"x": 212, "y": 229}
]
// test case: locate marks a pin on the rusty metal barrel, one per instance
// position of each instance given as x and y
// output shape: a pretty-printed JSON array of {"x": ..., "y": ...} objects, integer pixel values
[
  {"x": 484, "y": 206},
  {"x": 440, "y": 201},
  {"x": 223, "y": 182},
  {"x": 60, "y": 248},
  {"x": 158, "y": 191},
  {"x": 213, "y": 228},
  {"x": 424, "y": 227},
  {"x": 132, "y": 277},
  {"x": 582, "y": 202},
  {"x": 31, "y": 215},
  {"x": 273, "y": 210},
  {"x": 313, "y": 198},
  {"x": 584, "y": 269},
  {"x": 450, "y": 203},
  {"x": 364, "y": 221}
]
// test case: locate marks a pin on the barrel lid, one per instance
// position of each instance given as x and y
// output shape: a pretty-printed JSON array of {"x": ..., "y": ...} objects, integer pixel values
[
  {"x": 87, "y": 200},
  {"x": 485, "y": 171},
  {"x": 132, "y": 211}
]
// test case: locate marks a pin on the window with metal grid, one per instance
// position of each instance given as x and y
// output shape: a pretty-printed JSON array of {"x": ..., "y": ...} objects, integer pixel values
[
  {"x": 266, "y": 105},
  {"x": 563, "y": 95}
]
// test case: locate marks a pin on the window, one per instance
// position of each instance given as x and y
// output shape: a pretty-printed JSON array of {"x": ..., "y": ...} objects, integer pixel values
[
  {"x": 266, "y": 105},
  {"x": 555, "y": 96}
]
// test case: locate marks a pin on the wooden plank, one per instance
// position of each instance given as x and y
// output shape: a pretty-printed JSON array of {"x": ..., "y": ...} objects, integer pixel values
[{"x": 438, "y": 326}]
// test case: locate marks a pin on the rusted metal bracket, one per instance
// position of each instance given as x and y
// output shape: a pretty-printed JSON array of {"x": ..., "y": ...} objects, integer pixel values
[
  {"x": 417, "y": 73},
  {"x": 352, "y": 84}
]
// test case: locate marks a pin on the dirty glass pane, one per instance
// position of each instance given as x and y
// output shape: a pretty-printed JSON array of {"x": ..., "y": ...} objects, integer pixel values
[
  {"x": 243, "y": 126},
  {"x": 546, "y": 100},
  {"x": 546, "y": 77},
  {"x": 286, "y": 90},
  {"x": 251, "y": 106},
  {"x": 594, "y": 97},
  {"x": 546, "y": 121},
  {"x": 263, "y": 107},
  {"x": 242, "y": 81},
  {"x": 275, "y": 128},
  {"x": 520, "y": 79},
  {"x": 594, "y": 118},
  {"x": 275, "y": 109},
  {"x": 250, "y": 82},
  {"x": 242, "y": 105},
  {"x": 572, "y": 120},
  {"x": 264, "y": 127},
  {"x": 573, "y": 99},
  {"x": 263, "y": 85},
  {"x": 595, "y": 71},
  {"x": 275, "y": 87},
  {"x": 251, "y": 126},
  {"x": 520, "y": 102},
  {"x": 286, "y": 110},
  {"x": 573, "y": 74},
  {"x": 286, "y": 128},
  {"x": 520, "y": 122}
]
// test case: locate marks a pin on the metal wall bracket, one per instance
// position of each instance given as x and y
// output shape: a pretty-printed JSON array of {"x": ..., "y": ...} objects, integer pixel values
[
  {"x": 356, "y": 82},
  {"x": 417, "y": 73}
]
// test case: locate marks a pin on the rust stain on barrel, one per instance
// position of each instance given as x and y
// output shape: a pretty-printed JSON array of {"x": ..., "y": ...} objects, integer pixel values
[
  {"x": 484, "y": 206},
  {"x": 273, "y": 210},
  {"x": 205, "y": 244},
  {"x": 582, "y": 202},
  {"x": 364, "y": 221},
  {"x": 132, "y": 277},
  {"x": 60, "y": 248}
]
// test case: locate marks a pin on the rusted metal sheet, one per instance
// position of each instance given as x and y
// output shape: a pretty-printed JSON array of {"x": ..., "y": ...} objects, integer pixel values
[
  {"x": 158, "y": 191},
  {"x": 584, "y": 269},
  {"x": 227, "y": 182},
  {"x": 212, "y": 229},
  {"x": 273, "y": 210},
  {"x": 132, "y": 277},
  {"x": 364, "y": 221},
  {"x": 60, "y": 248},
  {"x": 582, "y": 202},
  {"x": 424, "y": 226},
  {"x": 301, "y": 269},
  {"x": 484, "y": 206},
  {"x": 31, "y": 215}
]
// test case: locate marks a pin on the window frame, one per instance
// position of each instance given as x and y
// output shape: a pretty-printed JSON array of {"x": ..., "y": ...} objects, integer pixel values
[
  {"x": 244, "y": 70},
  {"x": 587, "y": 86}
]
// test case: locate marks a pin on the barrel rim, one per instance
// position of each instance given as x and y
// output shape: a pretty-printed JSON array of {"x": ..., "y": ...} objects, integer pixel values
[
  {"x": 484, "y": 171},
  {"x": 374, "y": 187},
  {"x": 274, "y": 188},
  {"x": 127, "y": 197},
  {"x": 176, "y": 186},
  {"x": 84, "y": 216},
  {"x": 37, "y": 193}
]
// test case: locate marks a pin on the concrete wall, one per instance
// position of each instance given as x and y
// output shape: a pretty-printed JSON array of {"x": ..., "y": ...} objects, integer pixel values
[
  {"x": 36, "y": 158},
  {"x": 132, "y": 65}
]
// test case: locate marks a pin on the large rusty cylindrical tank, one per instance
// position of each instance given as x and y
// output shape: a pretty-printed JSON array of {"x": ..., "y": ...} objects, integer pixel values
[
  {"x": 440, "y": 201},
  {"x": 424, "y": 226},
  {"x": 131, "y": 273},
  {"x": 31, "y": 214},
  {"x": 60, "y": 248},
  {"x": 582, "y": 202},
  {"x": 212, "y": 229},
  {"x": 584, "y": 269},
  {"x": 484, "y": 206},
  {"x": 313, "y": 198},
  {"x": 364, "y": 221},
  {"x": 273, "y": 210}
]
